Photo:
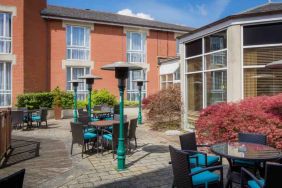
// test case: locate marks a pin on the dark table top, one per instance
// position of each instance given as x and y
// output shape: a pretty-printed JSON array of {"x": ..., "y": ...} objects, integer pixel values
[
  {"x": 246, "y": 151},
  {"x": 104, "y": 123}
]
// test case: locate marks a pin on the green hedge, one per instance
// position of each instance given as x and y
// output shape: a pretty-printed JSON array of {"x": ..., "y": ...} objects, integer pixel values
[
  {"x": 131, "y": 103},
  {"x": 103, "y": 96}
]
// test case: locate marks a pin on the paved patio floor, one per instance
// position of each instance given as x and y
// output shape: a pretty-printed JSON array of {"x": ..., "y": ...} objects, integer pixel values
[{"x": 147, "y": 166}]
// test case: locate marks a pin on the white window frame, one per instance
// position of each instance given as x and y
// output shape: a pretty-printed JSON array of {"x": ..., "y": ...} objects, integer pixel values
[
  {"x": 143, "y": 50},
  {"x": 83, "y": 92},
  {"x": 84, "y": 47},
  {"x": 4, "y": 38},
  {"x": 130, "y": 89},
  {"x": 204, "y": 70},
  {"x": 5, "y": 91}
]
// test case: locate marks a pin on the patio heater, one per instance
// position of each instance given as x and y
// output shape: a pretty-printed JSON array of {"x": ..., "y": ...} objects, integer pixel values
[
  {"x": 89, "y": 81},
  {"x": 75, "y": 85},
  {"x": 121, "y": 73},
  {"x": 140, "y": 84}
]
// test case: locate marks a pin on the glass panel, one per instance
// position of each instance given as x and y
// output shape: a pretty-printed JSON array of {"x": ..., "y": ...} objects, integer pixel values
[
  {"x": 2, "y": 24},
  {"x": 163, "y": 86},
  {"x": 68, "y": 35},
  {"x": 262, "y": 56},
  {"x": 170, "y": 77},
  {"x": 215, "y": 42},
  {"x": 8, "y": 25},
  {"x": 261, "y": 81},
  {"x": 263, "y": 34},
  {"x": 216, "y": 87},
  {"x": 8, "y": 76},
  {"x": 216, "y": 60},
  {"x": 194, "y": 48},
  {"x": 177, "y": 74},
  {"x": 2, "y": 74},
  {"x": 194, "y": 64},
  {"x": 77, "y": 36},
  {"x": 163, "y": 78},
  {"x": 68, "y": 78},
  {"x": 136, "y": 41},
  {"x": 195, "y": 92}
]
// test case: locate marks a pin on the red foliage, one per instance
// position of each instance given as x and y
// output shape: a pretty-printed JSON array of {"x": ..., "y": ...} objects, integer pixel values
[
  {"x": 223, "y": 121},
  {"x": 148, "y": 100}
]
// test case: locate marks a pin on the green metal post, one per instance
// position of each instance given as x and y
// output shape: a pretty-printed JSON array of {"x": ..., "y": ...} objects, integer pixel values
[
  {"x": 140, "y": 106},
  {"x": 89, "y": 102},
  {"x": 121, "y": 148},
  {"x": 75, "y": 104}
]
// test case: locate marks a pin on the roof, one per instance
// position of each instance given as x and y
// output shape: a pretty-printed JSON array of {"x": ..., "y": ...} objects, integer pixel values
[
  {"x": 167, "y": 59},
  {"x": 262, "y": 10},
  {"x": 109, "y": 18}
]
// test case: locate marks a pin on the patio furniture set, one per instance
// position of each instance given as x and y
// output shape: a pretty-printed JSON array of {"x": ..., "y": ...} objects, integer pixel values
[
  {"x": 252, "y": 163},
  {"x": 101, "y": 130},
  {"x": 27, "y": 116}
]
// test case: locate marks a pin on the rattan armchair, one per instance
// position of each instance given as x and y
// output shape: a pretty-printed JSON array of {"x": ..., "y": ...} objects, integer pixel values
[
  {"x": 17, "y": 118},
  {"x": 189, "y": 144},
  {"x": 132, "y": 132},
  {"x": 187, "y": 177},
  {"x": 14, "y": 180}
]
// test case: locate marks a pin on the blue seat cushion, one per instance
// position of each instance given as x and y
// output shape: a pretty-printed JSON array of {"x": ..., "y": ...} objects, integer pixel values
[
  {"x": 244, "y": 162},
  {"x": 36, "y": 118},
  {"x": 90, "y": 129},
  {"x": 88, "y": 136},
  {"x": 110, "y": 128},
  {"x": 108, "y": 137},
  {"x": 108, "y": 118},
  {"x": 253, "y": 183},
  {"x": 94, "y": 119},
  {"x": 201, "y": 159},
  {"x": 204, "y": 178}
]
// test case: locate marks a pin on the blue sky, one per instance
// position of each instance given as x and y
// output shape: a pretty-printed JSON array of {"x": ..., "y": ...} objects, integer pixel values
[{"x": 194, "y": 13}]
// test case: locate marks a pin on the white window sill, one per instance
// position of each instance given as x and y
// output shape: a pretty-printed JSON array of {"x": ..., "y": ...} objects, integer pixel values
[{"x": 77, "y": 63}]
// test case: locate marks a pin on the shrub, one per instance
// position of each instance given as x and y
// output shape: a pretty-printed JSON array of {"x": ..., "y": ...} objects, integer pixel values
[
  {"x": 164, "y": 109},
  {"x": 148, "y": 100},
  {"x": 35, "y": 100},
  {"x": 67, "y": 100},
  {"x": 222, "y": 122},
  {"x": 103, "y": 96},
  {"x": 131, "y": 103},
  {"x": 81, "y": 104}
]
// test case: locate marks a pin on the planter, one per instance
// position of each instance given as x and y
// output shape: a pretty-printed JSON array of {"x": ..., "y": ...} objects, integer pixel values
[
  {"x": 58, "y": 112},
  {"x": 67, "y": 113},
  {"x": 50, "y": 114}
]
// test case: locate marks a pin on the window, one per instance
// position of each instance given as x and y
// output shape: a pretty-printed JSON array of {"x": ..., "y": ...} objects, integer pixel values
[
  {"x": 132, "y": 89},
  {"x": 5, "y": 84},
  {"x": 5, "y": 33},
  {"x": 136, "y": 53},
  {"x": 177, "y": 46},
  {"x": 74, "y": 73},
  {"x": 135, "y": 44},
  {"x": 206, "y": 71},
  {"x": 168, "y": 80},
  {"x": 78, "y": 44},
  {"x": 262, "y": 46}
]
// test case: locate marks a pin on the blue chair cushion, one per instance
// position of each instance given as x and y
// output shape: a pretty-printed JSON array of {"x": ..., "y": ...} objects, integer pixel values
[
  {"x": 36, "y": 118},
  {"x": 108, "y": 137},
  {"x": 201, "y": 159},
  {"x": 90, "y": 130},
  {"x": 88, "y": 136},
  {"x": 110, "y": 128},
  {"x": 253, "y": 183},
  {"x": 244, "y": 162},
  {"x": 94, "y": 119},
  {"x": 108, "y": 118},
  {"x": 204, "y": 178}
]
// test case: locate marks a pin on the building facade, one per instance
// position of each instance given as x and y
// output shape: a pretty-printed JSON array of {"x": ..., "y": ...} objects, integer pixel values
[
  {"x": 225, "y": 60},
  {"x": 43, "y": 46}
]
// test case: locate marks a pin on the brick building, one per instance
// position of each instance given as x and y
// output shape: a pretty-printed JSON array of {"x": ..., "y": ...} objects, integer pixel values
[{"x": 43, "y": 46}]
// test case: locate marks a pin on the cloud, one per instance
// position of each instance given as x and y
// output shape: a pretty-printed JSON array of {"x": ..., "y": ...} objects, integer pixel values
[{"x": 128, "y": 12}]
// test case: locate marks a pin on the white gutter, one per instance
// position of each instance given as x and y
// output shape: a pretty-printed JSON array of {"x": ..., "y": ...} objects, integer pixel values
[{"x": 108, "y": 23}]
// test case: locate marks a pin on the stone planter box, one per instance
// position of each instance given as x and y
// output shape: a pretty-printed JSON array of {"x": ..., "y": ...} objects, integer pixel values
[{"x": 66, "y": 114}]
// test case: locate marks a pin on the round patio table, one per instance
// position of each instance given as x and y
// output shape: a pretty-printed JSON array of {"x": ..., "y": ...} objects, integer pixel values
[{"x": 243, "y": 151}]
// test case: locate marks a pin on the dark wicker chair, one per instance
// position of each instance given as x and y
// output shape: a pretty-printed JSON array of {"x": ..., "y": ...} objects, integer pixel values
[
  {"x": 187, "y": 177},
  {"x": 81, "y": 112},
  {"x": 14, "y": 180},
  {"x": 85, "y": 121},
  {"x": 132, "y": 132},
  {"x": 40, "y": 116},
  {"x": 117, "y": 117},
  {"x": 17, "y": 118},
  {"x": 79, "y": 136},
  {"x": 189, "y": 144},
  {"x": 273, "y": 174},
  {"x": 112, "y": 137}
]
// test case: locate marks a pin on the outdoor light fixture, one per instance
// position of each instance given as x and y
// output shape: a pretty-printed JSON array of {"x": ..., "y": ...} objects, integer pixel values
[
  {"x": 140, "y": 84},
  {"x": 274, "y": 65},
  {"x": 75, "y": 85},
  {"x": 89, "y": 81},
  {"x": 121, "y": 73}
]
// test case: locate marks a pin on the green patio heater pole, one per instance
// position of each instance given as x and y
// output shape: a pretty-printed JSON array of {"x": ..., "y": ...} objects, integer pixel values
[
  {"x": 75, "y": 85},
  {"x": 89, "y": 81},
  {"x": 140, "y": 84},
  {"x": 121, "y": 73}
]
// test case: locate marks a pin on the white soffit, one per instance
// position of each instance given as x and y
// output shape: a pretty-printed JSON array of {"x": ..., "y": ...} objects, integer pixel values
[{"x": 169, "y": 68}]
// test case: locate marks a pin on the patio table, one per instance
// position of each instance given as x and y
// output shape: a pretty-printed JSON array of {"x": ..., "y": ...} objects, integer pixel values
[{"x": 244, "y": 151}]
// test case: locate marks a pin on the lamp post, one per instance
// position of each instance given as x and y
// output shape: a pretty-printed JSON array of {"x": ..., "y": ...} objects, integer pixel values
[
  {"x": 75, "y": 85},
  {"x": 140, "y": 84},
  {"x": 121, "y": 73},
  {"x": 89, "y": 81}
]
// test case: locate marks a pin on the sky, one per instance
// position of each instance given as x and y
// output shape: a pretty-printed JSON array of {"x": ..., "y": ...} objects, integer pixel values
[{"x": 193, "y": 13}]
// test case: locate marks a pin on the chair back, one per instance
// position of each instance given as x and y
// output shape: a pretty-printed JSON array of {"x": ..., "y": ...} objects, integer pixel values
[
  {"x": 116, "y": 133},
  {"x": 116, "y": 109},
  {"x": 180, "y": 168},
  {"x": 97, "y": 108},
  {"x": 81, "y": 112},
  {"x": 117, "y": 117},
  {"x": 77, "y": 131},
  {"x": 273, "y": 175},
  {"x": 132, "y": 128},
  {"x": 188, "y": 141},
  {"x": 252, "y": 138},
  {"x": 43, "y": 114},
  {"x": 17, "y": 117},
  {"x": 14, "y": 180},
  {"x": 83, "y": 120},
  {"x": 105, "y": 108}
]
